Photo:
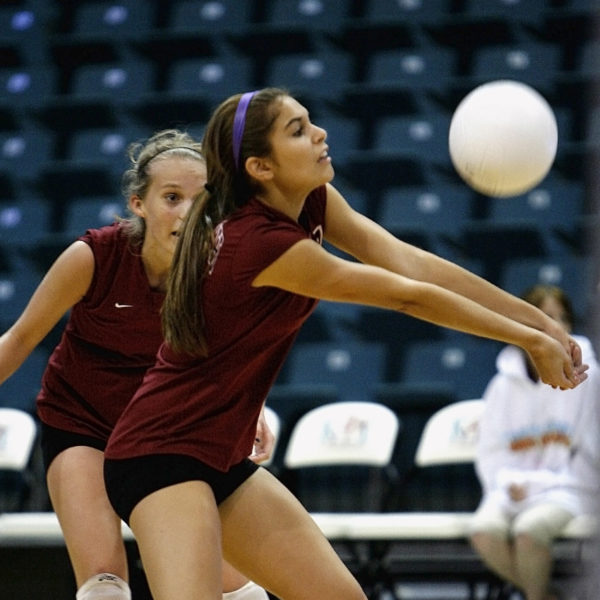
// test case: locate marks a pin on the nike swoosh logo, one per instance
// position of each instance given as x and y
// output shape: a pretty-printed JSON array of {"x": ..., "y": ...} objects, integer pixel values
[{"x": 117, "y": 305}]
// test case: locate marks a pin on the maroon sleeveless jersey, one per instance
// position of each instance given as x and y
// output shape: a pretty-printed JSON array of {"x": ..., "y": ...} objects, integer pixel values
[
  {"x": 110, "y": 340},
  {"x": 208, "y": 408}
]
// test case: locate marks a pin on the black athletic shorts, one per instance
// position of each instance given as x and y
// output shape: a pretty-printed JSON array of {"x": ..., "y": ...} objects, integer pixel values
[
  {"x": 54, "y": 441},
  {"x": 130, "y": 480}
]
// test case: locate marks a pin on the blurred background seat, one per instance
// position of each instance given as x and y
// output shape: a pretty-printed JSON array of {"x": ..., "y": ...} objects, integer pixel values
[
  {"x": 24, "y": 154},
  {"x": 214, "y": 78},
  {"x": 438, "y": 211},
  {"x": 318, "y": 75},
  {"x": 570, "y": 272},
  {"x": 27, "y": 87},
  {"x": 21, "y": 389},
  {"x": 495, "y": 242},
  {"x": 18, "y": 280},
  {"x": 24, "y": 220},
  {"x": 427, "y": 67},
  {"x": 117, "y": 19},
  {"x": 92, "y": 212},
  {"x": 422, "y": 135},
  {"x": 103, "y": 146},
  {"x": 421, "y": 13},
  {"x": 534, "y": 63},
  {"x": 353, "y": 367},
  {"x": 192, "y": 17},
  {"x": 18, "y": 434},
  {"x": 465, "y": 363},
  {"x": 312, "y": 15}
]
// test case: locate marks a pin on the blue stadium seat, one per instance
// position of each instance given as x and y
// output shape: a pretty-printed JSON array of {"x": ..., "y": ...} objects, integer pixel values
[
  {"x": 92, "y": 212},
  {"x": 592, "y": 127},
  {"x": 107, "y": 146},
  {"x": 353, "y": 367},
  {"x": 23, "y": 27},
  {"x": 434, "y": 209},
  {"x": 20, "y": 390},
  {"x": 494, "y": 242},
  {"x": 24, "y": 153},
  {"x": 222, "y": 16},
  {"x": 27, "y": 87},
  {"x": 312, "y": 15},
  {"x": 212, "y": 78},
  {"x": 555, "y": 203},
  {"x": 116, "y": 19},
  {"x": 17, "y": 284},
  {"x": 119, "y": 83},
  {"x": 466, "y": 364},
  {"x": 24, "y": 221},
  {"x": 588, "y": 61},
  {"x": 423, "y": 136},
  {"x": 417, "y": 13},
  {"x": 570, "y": 272},
  {"x": 322, "y": 74},
  {"x": 520, "y": 12},
  {"x": 428, "y": 67},
  {"x": 396, "y": 331},
  {"x": 534, "y": 63}
]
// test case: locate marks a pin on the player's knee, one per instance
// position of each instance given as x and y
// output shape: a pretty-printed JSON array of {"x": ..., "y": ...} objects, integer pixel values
[
  {"x": 104, "y": 586},
  {"x": 250, "y": 591}
]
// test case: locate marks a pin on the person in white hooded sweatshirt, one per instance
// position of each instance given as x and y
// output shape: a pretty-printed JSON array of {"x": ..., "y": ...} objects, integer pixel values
[{"x": 538, "y": 459}]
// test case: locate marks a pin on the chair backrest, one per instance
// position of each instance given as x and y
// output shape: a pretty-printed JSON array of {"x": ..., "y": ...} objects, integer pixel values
[
  {"x": 274, "y": 424},
  {"x": 463, "y": 362},
  {"x": 343, "y": 433},
  {"x": 18, "y": 431},
  {"x": 353, "y": 367},
  {"x": 450, "y": 435}
]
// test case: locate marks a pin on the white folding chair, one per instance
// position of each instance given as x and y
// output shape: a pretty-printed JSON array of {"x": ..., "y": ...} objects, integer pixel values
[
  {"x": 450, "y": 435},
  {"x": 18, "y": 431},
  {"x": 358, "y": 438},
  {"x": 343, "y": 433},
  {"x": 274, "y": 423}
]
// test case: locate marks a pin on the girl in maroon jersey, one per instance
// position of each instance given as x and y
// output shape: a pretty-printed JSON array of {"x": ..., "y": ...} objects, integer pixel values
[
  {"x": 113, "y": 280},
  {"x": 248, "y": 270}
]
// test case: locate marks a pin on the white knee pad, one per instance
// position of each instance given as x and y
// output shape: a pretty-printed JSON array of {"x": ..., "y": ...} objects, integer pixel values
[
  {"x": 250, "y": 591},
  {"x": 104, "y": 586}
]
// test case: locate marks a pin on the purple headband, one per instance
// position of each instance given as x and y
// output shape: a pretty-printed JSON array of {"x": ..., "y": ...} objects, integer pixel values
[{"x": 239, "y": 123}]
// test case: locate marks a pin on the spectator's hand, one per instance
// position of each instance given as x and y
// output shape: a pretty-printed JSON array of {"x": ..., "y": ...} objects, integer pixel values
[
  {"x": 556, "y": 365},
  {"x": 577, "y": 359},
  {"x": 264, "y": 441},
  {"x": 517, "y": 492}
]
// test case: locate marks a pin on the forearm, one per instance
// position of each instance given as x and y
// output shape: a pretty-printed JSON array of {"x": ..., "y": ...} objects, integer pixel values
[
  {"x": 13, "y": 352},
  {"x": 417, "y": 264}
]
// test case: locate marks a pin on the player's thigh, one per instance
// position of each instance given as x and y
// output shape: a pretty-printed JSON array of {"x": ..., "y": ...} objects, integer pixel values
[
  {"x": 90, "y": 526},
  {"x": 268, "y": 535},
  {"x": 178, "y": 532}
]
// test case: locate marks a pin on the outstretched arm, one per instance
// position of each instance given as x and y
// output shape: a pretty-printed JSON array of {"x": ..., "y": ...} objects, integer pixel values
[
  {"x": 65, "y": 283},
  {"x": 308, "y": 269},
  {"x": 372, "y": 244}
]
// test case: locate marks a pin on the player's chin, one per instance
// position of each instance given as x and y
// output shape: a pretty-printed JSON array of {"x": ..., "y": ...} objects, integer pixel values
[{"x": 328, "y": 172}]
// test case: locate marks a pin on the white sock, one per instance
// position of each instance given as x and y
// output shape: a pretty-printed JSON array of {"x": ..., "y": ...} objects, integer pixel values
[
  {"x": 104, "y": 586},
  {"x": 250, "y": 591}
]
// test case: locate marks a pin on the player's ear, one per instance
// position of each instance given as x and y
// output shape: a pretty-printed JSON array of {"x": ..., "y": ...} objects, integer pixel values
[
  {"x": 136, "y": 205},
  {"x": 259, "y": 168}
]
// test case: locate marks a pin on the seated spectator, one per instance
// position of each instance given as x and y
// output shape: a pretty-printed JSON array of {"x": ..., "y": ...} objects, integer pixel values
[{"x": 538, "y": 459}]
